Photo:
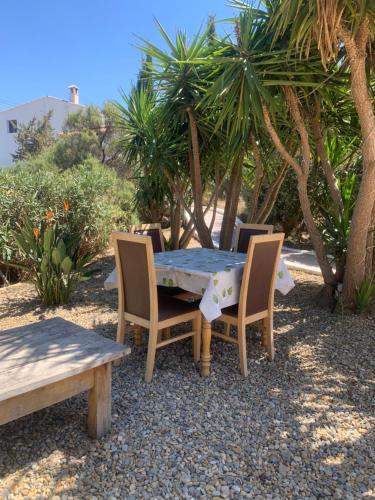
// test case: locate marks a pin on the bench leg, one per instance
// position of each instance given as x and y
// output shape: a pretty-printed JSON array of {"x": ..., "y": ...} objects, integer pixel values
[{"x": 100, "y": 400}]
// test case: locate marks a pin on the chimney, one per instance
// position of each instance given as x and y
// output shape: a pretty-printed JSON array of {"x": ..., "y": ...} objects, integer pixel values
[{"x": 74, "y": 94}]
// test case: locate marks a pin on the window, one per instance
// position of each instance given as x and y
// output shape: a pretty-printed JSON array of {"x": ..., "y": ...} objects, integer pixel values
[{"x": 12, "y": 126}]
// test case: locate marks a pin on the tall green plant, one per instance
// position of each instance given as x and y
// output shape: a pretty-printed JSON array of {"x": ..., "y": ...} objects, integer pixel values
[
  {"x": 56, "y": 263},
  {"x": 342, "y": 30},
  {"x": 336, "y": 227}
]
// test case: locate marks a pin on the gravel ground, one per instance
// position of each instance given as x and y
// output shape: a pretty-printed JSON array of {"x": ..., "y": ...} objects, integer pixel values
[{"x": 301, "y": 427}]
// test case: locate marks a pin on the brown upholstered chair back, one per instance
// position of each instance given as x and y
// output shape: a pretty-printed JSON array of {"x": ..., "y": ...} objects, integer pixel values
[
  {"x": 246, "y": 231},
  {"x": 133, "y": 254},
  {"x": 153, "y": 230},
  {"x": 258, "y": 284}
]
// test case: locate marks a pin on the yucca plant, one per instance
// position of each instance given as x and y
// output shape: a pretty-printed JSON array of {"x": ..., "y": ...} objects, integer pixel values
[{"x": 55, "y": 260}]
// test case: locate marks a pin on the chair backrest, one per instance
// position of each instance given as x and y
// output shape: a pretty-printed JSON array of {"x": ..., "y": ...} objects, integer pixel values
[
  {"x": 245, "y": 231},
  {"x": 259, "y": 276},
  {"x": 153, "y": 230},
  {"x": 136, "y": 274}
]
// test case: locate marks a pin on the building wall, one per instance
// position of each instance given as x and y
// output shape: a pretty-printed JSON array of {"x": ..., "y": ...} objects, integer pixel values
[{"x": 26, "y": 112}]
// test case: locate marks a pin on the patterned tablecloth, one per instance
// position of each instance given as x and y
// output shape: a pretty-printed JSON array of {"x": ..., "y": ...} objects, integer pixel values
[{"x": 214, "y": 274}]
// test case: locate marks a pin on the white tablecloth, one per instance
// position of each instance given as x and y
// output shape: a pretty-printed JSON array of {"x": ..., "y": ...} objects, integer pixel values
[{"x": 214, "y": 274}]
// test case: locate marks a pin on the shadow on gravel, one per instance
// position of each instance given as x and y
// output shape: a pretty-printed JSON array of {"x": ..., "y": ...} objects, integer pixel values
[{"x": 302, "y": 425}]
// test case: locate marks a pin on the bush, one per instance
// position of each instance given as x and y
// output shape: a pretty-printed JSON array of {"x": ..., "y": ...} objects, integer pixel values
[
  {"x": 99, "y": 199},
  {"x": 74, "y": 148}
]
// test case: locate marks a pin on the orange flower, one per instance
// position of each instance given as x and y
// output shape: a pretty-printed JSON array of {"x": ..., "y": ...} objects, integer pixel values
[
  {"x": 66, "y": 205},
  {"x": 49, "y": 214},
  {"x": 36, "y": 232}
]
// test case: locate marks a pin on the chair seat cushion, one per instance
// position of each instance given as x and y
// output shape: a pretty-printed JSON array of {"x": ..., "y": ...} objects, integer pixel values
[
  {"x": 231, "y": 311},
  {"x": 170, "y": 307}
]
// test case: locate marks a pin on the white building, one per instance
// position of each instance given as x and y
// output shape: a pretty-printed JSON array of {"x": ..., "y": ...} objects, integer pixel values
[{"x": 12, "y": 118}]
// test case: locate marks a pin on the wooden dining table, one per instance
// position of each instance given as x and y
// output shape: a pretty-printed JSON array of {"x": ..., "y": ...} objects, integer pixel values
[{"x": 215, "y": 275}]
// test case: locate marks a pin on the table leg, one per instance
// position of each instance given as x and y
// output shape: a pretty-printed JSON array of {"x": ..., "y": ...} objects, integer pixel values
[
  {"x": 206, "y": 349},
  {"x": 99, "y": 398}
]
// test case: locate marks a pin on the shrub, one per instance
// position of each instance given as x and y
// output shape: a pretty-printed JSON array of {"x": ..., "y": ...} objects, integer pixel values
[
  {"x": 100, "y": 201},
  {"x": 72, "y": 149}
]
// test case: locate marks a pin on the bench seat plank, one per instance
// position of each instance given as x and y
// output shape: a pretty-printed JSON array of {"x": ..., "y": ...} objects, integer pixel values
[{"x": 44, "y": 353}]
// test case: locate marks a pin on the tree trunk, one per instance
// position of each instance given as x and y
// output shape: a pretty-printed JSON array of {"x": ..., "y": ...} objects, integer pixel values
[
  {"x": 214, "y": 210},
  {"x": 231, "y": 205},
  {"x": 195, "y": 170},
  {"x": 370, "y": 255},
  {"x": 176, "y": 212},
  {"x": 187, "y": 235},
  {"x": 326, "y": 166},
  {"x": 361, "y": 220},
  {"x": 302, "y": 171},
  {"x": 314, "y": 233},
  {"x": 271, "y": 196},
  {"x": 258, "y": 179}
]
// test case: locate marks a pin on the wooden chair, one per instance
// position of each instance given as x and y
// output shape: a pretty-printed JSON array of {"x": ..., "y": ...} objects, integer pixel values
[
  {"x": 153, "y": 230},
  {"x": 244, "y": 233},
  {"x": 256, "y": 295},
  {"x": 140, "y": 303}
]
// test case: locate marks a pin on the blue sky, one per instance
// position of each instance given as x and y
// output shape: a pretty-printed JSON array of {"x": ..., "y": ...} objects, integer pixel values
[{"x": 45, "y": 45}]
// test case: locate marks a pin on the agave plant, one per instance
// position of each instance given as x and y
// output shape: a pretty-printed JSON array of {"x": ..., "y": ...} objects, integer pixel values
[{"x": 55, "y": 261}]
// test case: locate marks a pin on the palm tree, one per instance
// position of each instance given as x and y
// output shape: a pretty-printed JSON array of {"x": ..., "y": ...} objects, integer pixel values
[
  {"x": 260, "y": 85},
  {"x": 342, "y": 30},
  {"x": 181, "y": 85}
]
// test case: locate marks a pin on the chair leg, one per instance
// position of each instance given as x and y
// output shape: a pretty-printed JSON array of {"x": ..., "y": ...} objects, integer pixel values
[
  {"x": 241, "y": 332},
  {"x": 268, "y": 336},
  {"x": 227, "y": 329},
  {"x": 160, "y": 335},
  {"x": 120, "y": 339},
  {"x": 167, "y": 333},
  {"x": 263, "y": 333},
  {"x": 121, "y": 326},
  {"x": 197, "y": 327},
  {"x": 151, "y": 352},
  {"x": 138, "y": 335}
]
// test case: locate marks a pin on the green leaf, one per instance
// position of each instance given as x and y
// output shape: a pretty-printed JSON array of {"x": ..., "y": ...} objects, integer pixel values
[
  {"x": 62, "y": 249},
  {"x": 44, "y": 264},
  {"x": 66, "y": 265},
  {"x": 48, "y": 239},
  {"x": 56, "y": 257}
]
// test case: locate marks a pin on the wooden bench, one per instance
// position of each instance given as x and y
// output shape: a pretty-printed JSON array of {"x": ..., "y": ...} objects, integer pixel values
[{"x": 44, "y": 363}]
